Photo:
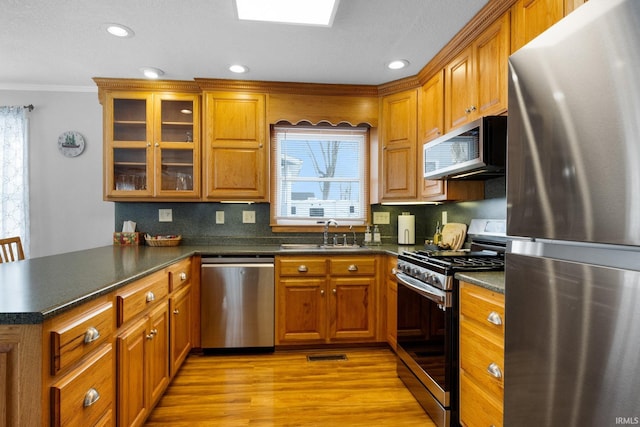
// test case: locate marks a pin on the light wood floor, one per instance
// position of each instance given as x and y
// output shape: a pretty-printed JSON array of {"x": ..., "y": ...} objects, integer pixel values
[{"x": 284, "y": 389}]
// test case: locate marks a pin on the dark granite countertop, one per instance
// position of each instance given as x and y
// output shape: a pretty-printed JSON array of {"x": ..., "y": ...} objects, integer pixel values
[
  {"x": 36, "y": 289},
  {"x": 492, "y": 280}
]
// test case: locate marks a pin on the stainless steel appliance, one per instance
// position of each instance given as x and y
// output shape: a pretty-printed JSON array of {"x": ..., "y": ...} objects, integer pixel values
[
  {"x": 428, "y": 322},
  {"x": 476, "y": 150},
  {"x": 237, "y": 303},
  {"x": 573, "y": 192}
]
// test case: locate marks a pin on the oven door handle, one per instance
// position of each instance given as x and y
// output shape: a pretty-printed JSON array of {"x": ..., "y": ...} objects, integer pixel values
[{"x": 436, "y": 295}]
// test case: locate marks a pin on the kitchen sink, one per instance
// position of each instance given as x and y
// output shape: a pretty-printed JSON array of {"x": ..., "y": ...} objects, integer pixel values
[{"x": 303, "y": 246}]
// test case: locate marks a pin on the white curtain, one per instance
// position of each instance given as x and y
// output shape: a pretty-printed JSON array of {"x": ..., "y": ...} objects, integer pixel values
[{"x": 14, "y": 174}]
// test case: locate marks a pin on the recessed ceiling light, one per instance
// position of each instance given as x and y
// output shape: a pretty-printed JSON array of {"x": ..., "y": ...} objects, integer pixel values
[
  {"x": 119, "y": 30},
  {"x": 397, "y": 64},
  {"x": 151, "y": 73},
  {"x": 239, "y": 69},
  {"x": 308, "y": 12}
]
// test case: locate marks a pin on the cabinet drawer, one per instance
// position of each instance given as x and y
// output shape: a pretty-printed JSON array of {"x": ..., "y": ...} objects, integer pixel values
[
  {"x": 360, "y": 266},
  {"x": 138, "y": 296},
  {"x": 179, "y": 274},
  {"x": 85, "y": 395},
  {"x": 73, "y": 338},
  {"x": 480, "y": 357},
  {"x": 482, "y": 306},
  {"x": 303, "y": 267},
  {"x": 477, "y": 408}
]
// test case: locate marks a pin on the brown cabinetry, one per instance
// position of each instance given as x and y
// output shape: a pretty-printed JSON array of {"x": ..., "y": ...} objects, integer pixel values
[
  {"x": 398, "y": 148},
  {"x": 326, "y": 300},
  {"x": 531, "y": 17},
  {"x": 180, "y": 309},
  {"x": 143, "y": 347},
  {"x": 79, "y": 365},
  {"x": 476, "y": 80},
  {"x": 236, "y": 147},
  {"x": 391, "y": 301},
  {"x": 481, "y": 356},
  {"x": 151, "y": 145}
]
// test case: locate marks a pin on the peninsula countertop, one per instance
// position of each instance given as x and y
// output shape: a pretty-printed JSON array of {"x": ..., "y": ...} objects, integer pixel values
[{"x": 36, "y": 289}]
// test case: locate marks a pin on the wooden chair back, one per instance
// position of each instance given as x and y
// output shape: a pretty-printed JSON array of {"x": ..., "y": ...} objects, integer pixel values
[{"x": 11, "y": 249}]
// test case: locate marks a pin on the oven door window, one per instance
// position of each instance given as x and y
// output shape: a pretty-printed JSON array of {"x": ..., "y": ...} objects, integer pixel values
[{"x": 425, "y": 333}]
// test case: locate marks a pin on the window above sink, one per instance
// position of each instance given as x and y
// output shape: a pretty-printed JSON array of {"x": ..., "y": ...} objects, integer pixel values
[{"x": 320, "y": 173}]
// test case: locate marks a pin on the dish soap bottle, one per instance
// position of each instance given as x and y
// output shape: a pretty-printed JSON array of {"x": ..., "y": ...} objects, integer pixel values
[
  {"x": 437, "y": 237},
  {"x": 376, "y": 235},
  {"x": 367, "y": 235}
]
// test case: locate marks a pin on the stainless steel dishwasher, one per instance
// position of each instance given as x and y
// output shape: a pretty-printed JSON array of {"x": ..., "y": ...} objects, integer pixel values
[{"x": 238, "y": 306}]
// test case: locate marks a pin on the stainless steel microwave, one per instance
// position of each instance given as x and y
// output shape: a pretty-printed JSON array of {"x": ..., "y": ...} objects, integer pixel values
[{"x": 476, "y": 150}]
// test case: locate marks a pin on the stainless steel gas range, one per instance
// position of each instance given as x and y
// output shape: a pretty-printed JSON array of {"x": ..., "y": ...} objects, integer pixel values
[{"x": 428, "y": 317}]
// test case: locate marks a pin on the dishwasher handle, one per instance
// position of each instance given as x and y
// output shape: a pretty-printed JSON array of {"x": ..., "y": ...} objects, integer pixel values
[
  {"x": 237, "y": 260},
  {"x": 238, "y": 265}
]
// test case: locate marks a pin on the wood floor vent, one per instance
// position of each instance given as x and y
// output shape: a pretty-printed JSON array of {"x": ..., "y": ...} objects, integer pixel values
[{"x": 325, "y": 357}]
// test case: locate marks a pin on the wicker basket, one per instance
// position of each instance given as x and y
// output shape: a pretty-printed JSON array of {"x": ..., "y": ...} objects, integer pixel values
[{"x": 163, "y": 240}]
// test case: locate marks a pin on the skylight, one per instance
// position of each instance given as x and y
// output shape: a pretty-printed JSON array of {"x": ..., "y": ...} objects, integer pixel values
[{"x": 308, "y": 12}]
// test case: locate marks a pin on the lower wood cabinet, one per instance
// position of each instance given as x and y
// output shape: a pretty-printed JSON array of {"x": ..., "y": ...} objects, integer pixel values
[
  {"x": 106, "y": 362},
  {"x": 85, "y": 396},
  {"x": 143, "y": 365},
  {"x": 323, "y": 299},
  {"x": 481, "y": 356},
  {"x": 391, "y": 301}
]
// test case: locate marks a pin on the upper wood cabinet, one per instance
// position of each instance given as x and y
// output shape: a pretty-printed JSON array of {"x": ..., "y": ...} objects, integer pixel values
[
  {"x": 532, "y": 17},
  {"x": 236, "y": 147},
  {"x": 151, "y": 145},
  {"x": 431, "y": 109},
  {"x": 476, "y": 80},
  {"x": 398, "y": 147}
]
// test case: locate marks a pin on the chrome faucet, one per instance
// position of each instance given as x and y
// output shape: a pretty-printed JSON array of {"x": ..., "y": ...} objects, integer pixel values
[{"x": 325, "y": 235}]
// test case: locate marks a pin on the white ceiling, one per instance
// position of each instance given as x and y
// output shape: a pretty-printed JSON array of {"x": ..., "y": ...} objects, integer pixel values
[{"x": 63, "y": 42}]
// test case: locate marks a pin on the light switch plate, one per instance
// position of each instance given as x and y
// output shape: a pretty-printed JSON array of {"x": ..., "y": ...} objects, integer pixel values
[
  {"x": 248, "y": 217},
  {"x": 219, "y": 217},
  {"x": 165, "y": 215},
  {"x": 381, "y": 218}
]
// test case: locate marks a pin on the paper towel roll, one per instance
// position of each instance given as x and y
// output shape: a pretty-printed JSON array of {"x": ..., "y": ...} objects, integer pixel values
[{"x": 406, "y": 230}]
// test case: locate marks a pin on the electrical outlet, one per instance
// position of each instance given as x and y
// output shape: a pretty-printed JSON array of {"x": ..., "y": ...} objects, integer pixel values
[
  {"x": 219, "y": 217},
  {"x": 165, "y": 215},
  {"x": 444, "y": 217},
  {"x": 248, "y": 217},
  {"x": 381, "y": 218}
]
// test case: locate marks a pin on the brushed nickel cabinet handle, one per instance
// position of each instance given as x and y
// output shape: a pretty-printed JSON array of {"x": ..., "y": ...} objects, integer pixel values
[
  {"x": 154, "y": 331},
  {"x": 150, "y": 296},
  {"x": 494, "y": 370},
  {"x": 183, "y": 276},
  {"x": 91, "y": 335},
  {"x": 302, "y": 268},
  {"x": 334, "y": 291},
  {"x": 91, "y": 397},
  {"x": 149, "y": 336},
  {"x": 494, "y": 318},
  {"x": 176, "y": 311},
  {"x": 352, "y": 267},
  {"x": 322, "y": 292}
]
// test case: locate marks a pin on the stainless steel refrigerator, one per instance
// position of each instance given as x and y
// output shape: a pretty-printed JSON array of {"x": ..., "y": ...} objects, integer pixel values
[{"x": 572, "y": 346}]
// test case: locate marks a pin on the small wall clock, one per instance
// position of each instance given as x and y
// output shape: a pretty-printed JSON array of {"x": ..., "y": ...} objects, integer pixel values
[{"x": 71, "y": 143}]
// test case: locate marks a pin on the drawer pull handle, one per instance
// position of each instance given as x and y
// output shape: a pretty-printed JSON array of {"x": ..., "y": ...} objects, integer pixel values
[
  {"x": 151, "y": 296},
  {"x": 176, "y": 311},
  {"x": 302, "y": 268},
  {"x": 91, "y": 397},
  {"x": 494, "y": 318},
  {"x": 334, "y": 291},
  {"x": 352, "y": 267},
  {"x": 91, "y": 335},
  {"x": 183, "y": 276},
  {"x": 494, "y": 370},
  {"x": 322, "y": 292},
  {"x": 154, "y": 331}
]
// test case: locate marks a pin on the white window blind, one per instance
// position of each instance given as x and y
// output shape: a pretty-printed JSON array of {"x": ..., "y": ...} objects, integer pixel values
[{"x": 320, "y": 175}]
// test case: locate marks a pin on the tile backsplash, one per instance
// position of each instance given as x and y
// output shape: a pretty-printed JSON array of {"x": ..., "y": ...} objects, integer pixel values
[{"x": 196, "y": 222}]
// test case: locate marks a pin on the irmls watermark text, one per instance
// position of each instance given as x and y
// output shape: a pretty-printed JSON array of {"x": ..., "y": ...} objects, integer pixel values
[{"x": 627, "y": 421}]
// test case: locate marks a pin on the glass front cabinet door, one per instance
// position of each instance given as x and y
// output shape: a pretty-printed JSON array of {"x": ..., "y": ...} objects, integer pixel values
[{"x": 152, "y": 146}]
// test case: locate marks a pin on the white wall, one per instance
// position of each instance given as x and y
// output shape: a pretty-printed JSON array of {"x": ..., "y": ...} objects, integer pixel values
[{"x": 67, "y": 210}]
